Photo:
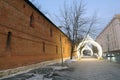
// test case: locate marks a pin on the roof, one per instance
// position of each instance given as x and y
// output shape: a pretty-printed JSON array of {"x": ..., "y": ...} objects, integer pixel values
[
  {"x": 117, "y": 16},
  {"x": 27, "y": 1}
]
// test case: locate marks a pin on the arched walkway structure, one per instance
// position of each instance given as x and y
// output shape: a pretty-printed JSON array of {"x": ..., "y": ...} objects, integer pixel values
[
  {"x": 86, "y": 47},
  {"x": 88, "y": 40}
]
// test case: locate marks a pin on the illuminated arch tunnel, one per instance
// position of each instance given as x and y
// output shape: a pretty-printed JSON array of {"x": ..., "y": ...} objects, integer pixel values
[{"x": 92, "y": 42}]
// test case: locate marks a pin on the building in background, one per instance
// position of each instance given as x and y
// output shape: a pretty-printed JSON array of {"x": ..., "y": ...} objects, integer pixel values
[
  {"x": 109, "y": 38},
  {"x": 27, "y": 36}
]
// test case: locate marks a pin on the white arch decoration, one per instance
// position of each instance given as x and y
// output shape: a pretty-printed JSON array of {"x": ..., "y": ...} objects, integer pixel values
[
  {"x": 91, "y": 41},
  {"x": 86, "y": 48}
]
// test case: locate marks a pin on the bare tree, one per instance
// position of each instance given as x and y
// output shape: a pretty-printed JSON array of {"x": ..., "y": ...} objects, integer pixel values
[
  {"x": 73, "y": 21},
  {"x": 66, "y": 24},
  {"x": 74, "y": 24},
  {"x": 93, "y": 26}
]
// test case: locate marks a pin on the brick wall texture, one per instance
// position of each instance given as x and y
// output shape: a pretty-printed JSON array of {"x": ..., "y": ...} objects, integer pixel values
[{"x": 27, "y": 36}]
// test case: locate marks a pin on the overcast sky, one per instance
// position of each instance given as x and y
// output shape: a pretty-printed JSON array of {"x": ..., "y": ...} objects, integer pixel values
[{"x": 106, "y": 9}]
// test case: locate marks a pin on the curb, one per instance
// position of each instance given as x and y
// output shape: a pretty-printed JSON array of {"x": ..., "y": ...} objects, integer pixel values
[{"x": 19, "y": 70}]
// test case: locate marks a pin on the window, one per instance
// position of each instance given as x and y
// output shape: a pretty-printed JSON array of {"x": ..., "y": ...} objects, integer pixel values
[
  {"x": 43, "y": 46},
  {"x": 60, "y": 38},
  {"x": 65, "y": 41},
  {"x": 51, "y": 33},
  {"x": 38, "y": 17},
  {"x": 8, "y": 40},
  {"x": 32, "y": 20},
  {"x": 56, "y": 49},
  {"x": 24, "y": 6}
]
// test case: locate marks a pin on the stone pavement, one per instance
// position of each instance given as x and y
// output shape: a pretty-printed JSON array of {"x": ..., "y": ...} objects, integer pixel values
[
  {"x": 84, "y": 69},
  {"x": 93, "y": 69}
]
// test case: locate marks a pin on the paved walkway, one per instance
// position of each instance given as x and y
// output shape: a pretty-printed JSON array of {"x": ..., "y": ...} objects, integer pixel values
[
  {"x": 93, "y": 69},
  {"x": 85, "y": 69}
]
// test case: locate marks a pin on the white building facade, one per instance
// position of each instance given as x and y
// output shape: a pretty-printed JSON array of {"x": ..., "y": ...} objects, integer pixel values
[{"x": 109, "y": 38}]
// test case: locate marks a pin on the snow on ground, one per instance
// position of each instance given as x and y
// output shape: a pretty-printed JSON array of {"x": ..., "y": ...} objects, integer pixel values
[
  {"x": 57, "y": 68},
  {"x": 70, "y": 60},
  {"x": 50, "y": 72},
  {"x": 86, "y": 69},
  {"x": 36, "y": 77},
  {"x": 39, "y": 77}
]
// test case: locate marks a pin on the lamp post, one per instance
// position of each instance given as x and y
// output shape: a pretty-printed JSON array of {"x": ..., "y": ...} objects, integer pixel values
[
  {"x": 61, "y": 49},
  {"x": 108, "y": 42}
]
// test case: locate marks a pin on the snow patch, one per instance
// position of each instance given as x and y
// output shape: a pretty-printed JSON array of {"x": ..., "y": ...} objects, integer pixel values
[
  {"x": 39, "y": 77},
  {"x": 70, "y": 60},
  {"x": 59, "y": 67}
]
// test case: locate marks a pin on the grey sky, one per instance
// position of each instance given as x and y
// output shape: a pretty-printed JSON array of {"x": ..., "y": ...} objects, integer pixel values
[{"x": 106, "y": 9}]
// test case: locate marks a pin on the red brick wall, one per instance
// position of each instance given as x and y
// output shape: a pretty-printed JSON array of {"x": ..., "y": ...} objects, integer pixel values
[{"x": 28, "y": 43}]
